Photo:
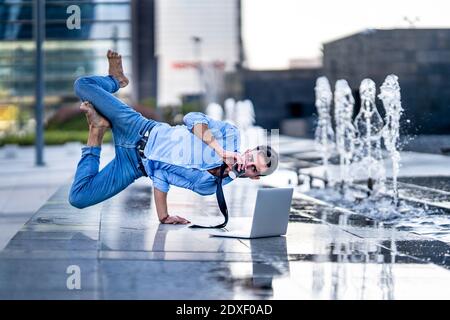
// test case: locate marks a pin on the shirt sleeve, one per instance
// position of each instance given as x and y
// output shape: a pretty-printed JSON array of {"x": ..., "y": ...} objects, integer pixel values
[
  {"x": 193, "y": 118},
  {"x": 236, "y": 139},
  {"x": 160, "y": 180},
  {"x": 225, "y": 133}
]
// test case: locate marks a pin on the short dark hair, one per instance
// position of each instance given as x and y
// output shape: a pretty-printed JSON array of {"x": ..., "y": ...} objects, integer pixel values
[{"x": 270, "y": 159}]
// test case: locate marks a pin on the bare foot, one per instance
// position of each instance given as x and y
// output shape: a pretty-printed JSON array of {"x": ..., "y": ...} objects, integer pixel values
[
  {"x": 116, "y": 69},
  {"x": 94, "y": 119}
]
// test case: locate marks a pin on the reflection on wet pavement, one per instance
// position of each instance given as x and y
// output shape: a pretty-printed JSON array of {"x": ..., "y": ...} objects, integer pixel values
[
  {"x": 441, "y": 183},
  {"x": 124, "y": 253}
]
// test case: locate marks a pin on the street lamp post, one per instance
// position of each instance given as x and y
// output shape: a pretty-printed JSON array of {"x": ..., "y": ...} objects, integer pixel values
[{"x": 39, "y": 36}]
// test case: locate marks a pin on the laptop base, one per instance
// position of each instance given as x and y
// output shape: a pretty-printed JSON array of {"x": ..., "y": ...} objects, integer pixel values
[{"x": 238, "y": 235}]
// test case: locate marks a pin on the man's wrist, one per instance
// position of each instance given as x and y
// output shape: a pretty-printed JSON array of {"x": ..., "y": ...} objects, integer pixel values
[
  {"x": 162, "y": 220},
  {"x": 220, "y": 152}
]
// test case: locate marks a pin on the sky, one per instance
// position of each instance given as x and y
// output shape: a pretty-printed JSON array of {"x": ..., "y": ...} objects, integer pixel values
[{"x": 276, "y": 31}]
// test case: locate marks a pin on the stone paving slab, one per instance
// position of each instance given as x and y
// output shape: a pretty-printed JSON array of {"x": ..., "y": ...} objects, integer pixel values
[
  {"x": 144, "y": 279},
  {"x": 24, "y": 187},
  {"x": 124, "y": 253}
]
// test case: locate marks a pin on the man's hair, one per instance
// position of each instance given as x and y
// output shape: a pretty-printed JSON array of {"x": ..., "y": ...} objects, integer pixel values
[{"x": 270, "y": 159}]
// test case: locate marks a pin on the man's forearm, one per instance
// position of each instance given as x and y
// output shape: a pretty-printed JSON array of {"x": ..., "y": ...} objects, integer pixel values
[
  {"x": 161, "y": 204},
  {"x": 202, "y": 131}
]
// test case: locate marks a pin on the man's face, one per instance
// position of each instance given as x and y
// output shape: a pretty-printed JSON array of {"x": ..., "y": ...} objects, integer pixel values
[{"x": 254, "y": 164}]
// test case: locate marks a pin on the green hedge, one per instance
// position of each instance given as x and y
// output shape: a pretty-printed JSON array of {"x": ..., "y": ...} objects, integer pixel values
[
  {"x": 77, "y": 123},
  {"x": 52, "y": 137}
]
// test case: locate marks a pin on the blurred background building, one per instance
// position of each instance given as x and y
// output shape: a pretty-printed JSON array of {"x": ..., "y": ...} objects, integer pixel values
[
  {"x": 419, "y": 57},
  {"x": 283, "y": 99},
  {"x": 183, "y": 54},
  {"x": 144, "y": 60},
  {"x": 68, "y": 53},
  {"x": 198, "y": 41}
]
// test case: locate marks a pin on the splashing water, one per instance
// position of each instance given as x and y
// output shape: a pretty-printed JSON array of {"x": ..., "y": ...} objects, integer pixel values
[
  {"x": 412, "y": 208},
  {"x": 345, "y": 131},
  {"x": 230, "y": 110},
  {"x": 390, "y": 95},
  {"x": 324, "y": 135},
  {"x": 369, "y": 125},
  {"x": 214, "y": 111}
]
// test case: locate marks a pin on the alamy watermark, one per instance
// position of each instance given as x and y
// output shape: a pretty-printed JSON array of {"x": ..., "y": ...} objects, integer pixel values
[
  {"x": 73, "y": 281},
  {"x": 74, "y": 20}
]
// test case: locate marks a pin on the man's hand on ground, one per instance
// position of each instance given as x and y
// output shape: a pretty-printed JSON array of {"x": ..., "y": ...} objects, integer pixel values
[{"x": 175, "y": 220}]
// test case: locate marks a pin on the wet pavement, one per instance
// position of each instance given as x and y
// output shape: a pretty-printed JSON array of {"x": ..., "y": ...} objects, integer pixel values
[
  {"x": 124, "y": 253},
  {"x": 332, "y": 250},
  {"x": 24, "y": 187}
]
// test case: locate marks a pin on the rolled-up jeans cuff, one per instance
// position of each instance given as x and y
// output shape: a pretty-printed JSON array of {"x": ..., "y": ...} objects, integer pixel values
[
  {"x": 116, "y": 83},
  {"x": 91, "y": 150}
]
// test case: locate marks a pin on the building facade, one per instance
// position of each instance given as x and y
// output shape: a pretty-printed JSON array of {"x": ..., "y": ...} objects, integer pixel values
[
  {"x": 68, "y": 53},
  {"x": 144, "y": 60},
  {"x": 197, "y": 42},
  {"x": 419, "y": 57}
]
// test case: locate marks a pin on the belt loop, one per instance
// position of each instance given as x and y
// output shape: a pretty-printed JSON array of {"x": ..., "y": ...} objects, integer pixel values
[
  {"x": 140, "y": 147},
  {"x": 142, "y": 143}
]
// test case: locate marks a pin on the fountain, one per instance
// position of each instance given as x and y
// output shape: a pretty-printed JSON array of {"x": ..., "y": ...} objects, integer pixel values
[
  {"x": 251, "y": 134},
  {"x": 345, "y": 131},
  {"x": 390, "y": 95},
  {"x": 245, "y": 114},
  {"x": 230, "y": 106},
  {"x": 215, "y": 111},
  {"x": 417, "y": 204},
  {"x": 369, "y": 125},
  {"x": 242, "y": 115},
  {"x": 324, "y": 135},
  {"x": 358, "y": 142}
]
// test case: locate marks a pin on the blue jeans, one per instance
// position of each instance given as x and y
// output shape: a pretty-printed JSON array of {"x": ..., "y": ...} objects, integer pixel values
[{"x": 128, "y": 126}]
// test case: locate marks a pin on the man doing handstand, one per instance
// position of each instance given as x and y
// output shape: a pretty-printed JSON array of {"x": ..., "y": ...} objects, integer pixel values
[{"x": 188, "y": 156}]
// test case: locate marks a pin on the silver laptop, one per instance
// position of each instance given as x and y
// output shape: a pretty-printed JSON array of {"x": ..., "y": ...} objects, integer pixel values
[{"x": 270, "y": 217}]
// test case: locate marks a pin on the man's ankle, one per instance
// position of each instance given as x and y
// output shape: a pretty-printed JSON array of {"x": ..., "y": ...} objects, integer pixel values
[
  {"x": 95, "y": 137},
  {"x": 97, "y": 129}
]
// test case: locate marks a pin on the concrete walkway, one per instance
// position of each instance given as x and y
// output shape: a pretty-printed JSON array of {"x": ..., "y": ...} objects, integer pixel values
[
  {"x": 122, "y": 251},
  {"x": 24, "y": 188}
]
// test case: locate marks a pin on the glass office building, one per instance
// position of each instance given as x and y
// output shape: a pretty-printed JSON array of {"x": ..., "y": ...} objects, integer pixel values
[{"x": 68, "y": 53}]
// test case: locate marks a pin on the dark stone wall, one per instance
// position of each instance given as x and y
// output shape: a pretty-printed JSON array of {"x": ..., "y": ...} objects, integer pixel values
[
  {"x": 419, "y": 57},
  {"x": 278, "y": 95}
]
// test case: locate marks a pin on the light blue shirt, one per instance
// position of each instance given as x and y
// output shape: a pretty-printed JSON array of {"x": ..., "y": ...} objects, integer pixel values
[{"x": 175, "y": 156}]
